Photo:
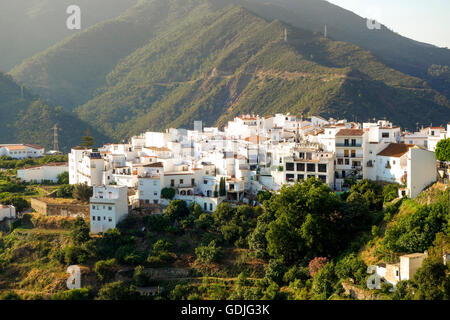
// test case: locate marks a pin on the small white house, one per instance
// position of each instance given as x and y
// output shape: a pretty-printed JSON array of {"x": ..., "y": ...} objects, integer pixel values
[
  {"x": 407, "y": 165},
  {"x": 40, "y": 173},
  {"x": 108, "y": 206},
  {"x": 7, "y": 212}
]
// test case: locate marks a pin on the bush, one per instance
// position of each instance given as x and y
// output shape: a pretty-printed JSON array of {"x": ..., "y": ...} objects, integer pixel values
[
  {"x": 352, "y": 267},
  {"x": 117, "y": 291},
  {"x": 82, "y": 192},
  {"x": 74, "y": 294},
  {"x": 168, "y": 193},
  {"x": 140, "y": 278},
  {"x": 176, "y": 209},
  {"x": 10, "y": 295},
  {"x": 80, "y": 231},
  {"x": 75, "y": 255},
  {"x": 63, "y": 178},
  {"x": 443, "y": 150},
  {"x": 324, "y": 282},
  {"x": 275, "y": 271},
  {"x": 106, "y": 269},
  {"x": 157, "y": 222},
  {"x": 208, "y": 254},
  {"x": 64, "y": 191},
  {"x": 390, "y": 192}
]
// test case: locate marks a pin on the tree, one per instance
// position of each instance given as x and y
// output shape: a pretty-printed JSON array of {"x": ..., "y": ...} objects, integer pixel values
[
  {"x": 79, "y": 232},
  {"x": 351, "y": 267},
  {"x": 209, "y": 253},
  {"x": 306, "y": 219},
  {"x": 264, "y": 195},
  {"x": 65, "y": 191},
  {"x": 176, "y": 209},
  {"x": 63, "y": 178},
  {"x": 324, "y": 282},
  {"x": 443, "y": 150},
  {"x": 75, "y": 255},
  {"x": 431, "y": 281},
  {"x": 87, "y": 140},
  {"x": 106, "y": 269},
  {"x": 275, "y": 271},
  {"x": 117, "y": 291},
  {"x": 222, "y": 187},
  {"x": 161, "y": 245},
  {"x": 82, "y": 192},
  {"x": 168, "y": 193},
  {"x": 390, "y": 192}
]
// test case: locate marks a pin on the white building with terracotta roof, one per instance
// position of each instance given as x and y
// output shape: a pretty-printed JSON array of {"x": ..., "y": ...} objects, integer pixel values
[
  {"x": 408, "y": 165},
  {"x": 21, "y": 151}
]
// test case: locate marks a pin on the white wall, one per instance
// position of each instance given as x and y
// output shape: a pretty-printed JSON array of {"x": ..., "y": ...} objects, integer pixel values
[
  {"x": 421, "y": 170},
  {"x": 108, "y": 206},
  {"x": 43, "y": 173},
  {"x": 7, "y": 212}
]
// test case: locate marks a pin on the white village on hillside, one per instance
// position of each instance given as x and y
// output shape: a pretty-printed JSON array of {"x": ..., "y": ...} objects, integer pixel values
[{"x": 252, "y": 154}]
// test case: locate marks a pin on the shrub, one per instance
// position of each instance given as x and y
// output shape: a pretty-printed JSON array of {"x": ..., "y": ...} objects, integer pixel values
[
  {"x": 209, "y": 253},
  {"x": 106, "y": 269},
  {"x": 168, "y": 193},
  {"x": 117, "y": 291},
  {"x": 275, "y": 271},
  {"x": 74, "y": 294},
  {"x": 75, "y": 255}
]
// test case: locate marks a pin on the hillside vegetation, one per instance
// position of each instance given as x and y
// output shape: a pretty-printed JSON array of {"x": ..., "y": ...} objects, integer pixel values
[
  {"x": 30, "y": 26},
  {"x": 31, "y": 120},
  {"x": 301, "y": 244},
  {"x": 217, "y": 65}
]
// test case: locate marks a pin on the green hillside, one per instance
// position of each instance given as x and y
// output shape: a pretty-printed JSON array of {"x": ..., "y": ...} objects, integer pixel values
[
  {"x": 31, "y": 120},
  {"x": 406, "y": 55},
  {"x": 215, "y": 66},
  {"x": 30, "y": 26}
]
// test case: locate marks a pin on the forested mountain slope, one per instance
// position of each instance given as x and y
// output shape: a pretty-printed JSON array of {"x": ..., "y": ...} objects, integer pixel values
[
  {"x": 30, "y": 26},
  {"x": 31, "y": 120}
]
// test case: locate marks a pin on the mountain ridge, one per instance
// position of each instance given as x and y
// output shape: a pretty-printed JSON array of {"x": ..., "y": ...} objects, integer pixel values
[{"x": 169, "y": 76}]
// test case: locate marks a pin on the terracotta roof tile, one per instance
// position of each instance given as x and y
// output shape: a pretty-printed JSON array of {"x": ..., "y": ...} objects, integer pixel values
[{"x": 395, "y": 150}]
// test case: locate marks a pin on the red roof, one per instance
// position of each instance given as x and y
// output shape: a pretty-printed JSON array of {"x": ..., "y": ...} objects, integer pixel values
[
  {"x": 395, "y": 150},
  {"x": 350, "y": 133}
]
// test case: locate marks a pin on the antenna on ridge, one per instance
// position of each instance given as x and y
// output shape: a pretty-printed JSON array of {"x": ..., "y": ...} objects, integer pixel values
[
  {"x": 285, "y": 34},
  {"x": 325, "y": 31}
]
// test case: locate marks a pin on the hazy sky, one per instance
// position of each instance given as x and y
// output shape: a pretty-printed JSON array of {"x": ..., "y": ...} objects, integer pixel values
[{"x": 423, "y": 20}]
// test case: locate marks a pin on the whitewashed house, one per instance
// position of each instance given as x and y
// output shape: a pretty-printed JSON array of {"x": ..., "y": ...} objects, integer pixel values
[
  {"x": 108, "y": 206},
  {"x": 407, "y": 165},
  {"x": 86, "y": 166}
]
